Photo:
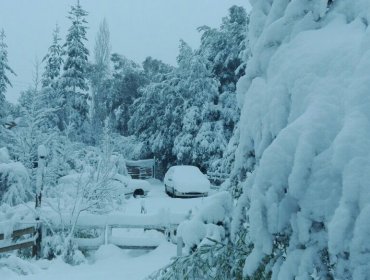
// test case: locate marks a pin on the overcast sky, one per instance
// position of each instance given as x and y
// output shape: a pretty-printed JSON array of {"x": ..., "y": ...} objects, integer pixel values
[{"x": 139, "y": 28}]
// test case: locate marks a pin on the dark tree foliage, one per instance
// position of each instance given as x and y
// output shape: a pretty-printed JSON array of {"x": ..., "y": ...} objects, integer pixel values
[
  {"x": 4, "y": 71},
  {"x": 74, "y": 84}
]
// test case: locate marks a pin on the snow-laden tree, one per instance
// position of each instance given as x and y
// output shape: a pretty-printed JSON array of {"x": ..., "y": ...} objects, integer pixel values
[
  {"x": 304, "y": 138},
  {"x": 155, "y": 70},
  {"x": 225, "y": 48},
  {"x": 122, "y": 89},
  {"x": 199, "y": 141},
  {"x": 102, "y": 48},
  {"x": 156, "y": 120},
  {"x": 53, "y": 61},
  {"x": 226, "y": 51},
  {"x": 5, "y": 70},
  {"x": 51, "y": 98},
  {"x": 15, "y": 185},
  {"x": 73, "y": 81},
  {"x": 98, "y": 74}
]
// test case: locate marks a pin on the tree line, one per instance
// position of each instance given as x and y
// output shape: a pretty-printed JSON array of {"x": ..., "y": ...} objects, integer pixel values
[{"x": 183, "y": 114}]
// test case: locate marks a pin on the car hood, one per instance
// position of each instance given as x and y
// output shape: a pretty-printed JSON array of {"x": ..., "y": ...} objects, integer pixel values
[{"x": 195, "y": 184}]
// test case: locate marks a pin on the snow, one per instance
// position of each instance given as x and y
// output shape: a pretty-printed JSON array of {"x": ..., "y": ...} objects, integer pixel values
[
  {"x": 134, "y": 184},
  {"x": 109, "y": 262},
  {"x": 42, "y": 151},
  {"x": 14, "y": 183},
  {"x": 187, "y": 179},
  {"x": 192, "y": 232},
  {"x": 306, "y": 118},
  {"x": 160, "y": 219},
  {"x": 207, "y": 221},
  {"x": 4, "y": 155}
]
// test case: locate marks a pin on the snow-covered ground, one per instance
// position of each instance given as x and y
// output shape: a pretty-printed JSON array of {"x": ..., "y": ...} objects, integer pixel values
[{"x": 109, "y": 261}]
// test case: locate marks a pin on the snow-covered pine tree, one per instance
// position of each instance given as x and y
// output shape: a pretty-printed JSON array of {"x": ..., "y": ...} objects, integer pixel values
[
  {"x": 74, "y": 78},
  {"x": 53, "y": 61},
  {"x": 50, "y": 95},
  {"x": 4, "y": 70}
]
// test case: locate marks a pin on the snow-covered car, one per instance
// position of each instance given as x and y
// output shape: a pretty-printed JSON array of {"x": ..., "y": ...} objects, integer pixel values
[
  {"x": 186, "y": 181},
  {"x": 124, "y": 183}
]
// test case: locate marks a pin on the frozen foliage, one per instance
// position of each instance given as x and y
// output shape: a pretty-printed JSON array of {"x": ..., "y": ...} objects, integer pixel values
[
  {"x": 187, "y": 115},
  {"x": 209, "y": 254},
  {"x": 73, "y": 81},
  {"x": 207, "y": 222},
  {"x": 4, "y": 71},
  {"x": 304, "y": 133},
  {"x": 53, "y": 61},
  {"x": 14, "y": 180},
  {"x": 4, "y": 155}
]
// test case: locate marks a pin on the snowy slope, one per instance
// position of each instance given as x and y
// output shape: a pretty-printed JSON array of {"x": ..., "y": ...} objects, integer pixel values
[{"x": 305, "y": 134}]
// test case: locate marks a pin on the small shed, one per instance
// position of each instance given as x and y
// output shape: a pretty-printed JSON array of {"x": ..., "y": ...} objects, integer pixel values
[{"x": 141, "y": 169}]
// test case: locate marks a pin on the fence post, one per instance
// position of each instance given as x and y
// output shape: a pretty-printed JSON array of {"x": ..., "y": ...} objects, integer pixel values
[
  {"x": 154, "y": 177},
  {"x": 107, "y": 234},
  {"x": 41, "y": 153},
  {"x": 179, "y": 246}
]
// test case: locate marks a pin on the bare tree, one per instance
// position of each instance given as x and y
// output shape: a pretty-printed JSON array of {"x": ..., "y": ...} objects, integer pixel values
[
  {"x": 100, "y": 70},
  {"x": 102, "y": 47}
]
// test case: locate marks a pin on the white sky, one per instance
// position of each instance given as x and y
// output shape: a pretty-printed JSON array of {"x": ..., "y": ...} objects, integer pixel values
[{"x": 139, "y": 28}]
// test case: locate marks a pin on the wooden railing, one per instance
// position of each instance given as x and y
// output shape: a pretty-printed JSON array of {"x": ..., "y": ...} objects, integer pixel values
[
  {"x": 164, "y": 222},
  {"x": 159, "y": 222},
  {"x": 12, "y": 243}
]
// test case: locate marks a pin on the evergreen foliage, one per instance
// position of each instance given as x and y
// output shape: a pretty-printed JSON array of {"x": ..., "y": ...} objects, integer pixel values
[
  {"x": 74, "y": 84},
  {"x": 4, "y": 71},
  {"x": 53, "y": 61}
]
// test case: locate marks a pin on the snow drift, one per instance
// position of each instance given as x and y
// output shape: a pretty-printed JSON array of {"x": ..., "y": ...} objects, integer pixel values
[{"x": 305, "y": 136}]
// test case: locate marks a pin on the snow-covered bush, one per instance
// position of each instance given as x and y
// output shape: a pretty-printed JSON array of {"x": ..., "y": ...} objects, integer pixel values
[
  {"x": 14, "y": 180},
  {"x": 304, "y": 135},
  {"x": 211, "y": 221},
  {"x": 209, "y": 252}
]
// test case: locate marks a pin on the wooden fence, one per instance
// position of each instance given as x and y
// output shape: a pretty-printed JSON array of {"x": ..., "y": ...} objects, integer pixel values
[
  {"x": 164, "y": 222},
  {"x": 18, "y": 239}
]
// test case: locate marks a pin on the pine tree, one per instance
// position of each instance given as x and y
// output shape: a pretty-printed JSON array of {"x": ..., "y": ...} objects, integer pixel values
[
  {"x": 53, "y": 60},
  {"x": 50, "y": 97},
  {"x": 4, "y": 68},
  {"x": 74, "y": 79}
]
